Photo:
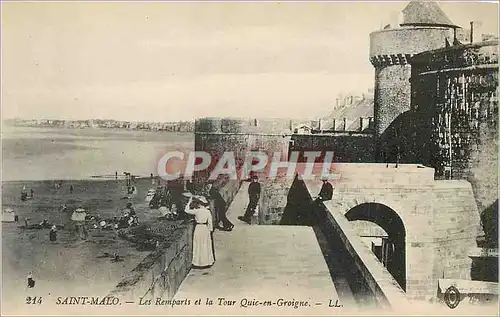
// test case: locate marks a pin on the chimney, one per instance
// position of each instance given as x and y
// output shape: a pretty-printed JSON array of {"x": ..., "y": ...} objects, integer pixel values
[
  {"x": 344, "y": 125},
  {"x": 319, "y": 124},
  {"x": 476, "y": 31},
  {"x": 333, "y": 128},
  {"x": 360, "y": 124}
]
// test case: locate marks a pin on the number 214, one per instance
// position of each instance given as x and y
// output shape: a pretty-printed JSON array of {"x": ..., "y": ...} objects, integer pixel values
[{"x": 33, "y": 300}]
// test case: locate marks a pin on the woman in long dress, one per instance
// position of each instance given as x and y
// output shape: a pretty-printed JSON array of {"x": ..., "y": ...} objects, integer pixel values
[{"x": 203, "y": 253}]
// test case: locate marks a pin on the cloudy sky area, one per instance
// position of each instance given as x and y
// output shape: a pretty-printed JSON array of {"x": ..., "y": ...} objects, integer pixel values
[{"x": 176, "y": 61}]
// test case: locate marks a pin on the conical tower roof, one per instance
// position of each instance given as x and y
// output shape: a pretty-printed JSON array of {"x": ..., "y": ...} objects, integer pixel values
[{"x": 425, "y": 13}]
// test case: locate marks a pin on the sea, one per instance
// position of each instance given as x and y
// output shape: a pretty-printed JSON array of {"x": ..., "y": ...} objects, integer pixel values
[{"x": 45, "y": 153}]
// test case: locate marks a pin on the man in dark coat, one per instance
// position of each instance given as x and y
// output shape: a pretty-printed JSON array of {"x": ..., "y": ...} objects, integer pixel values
[
  {"x": 220, "y": 209},
  {"x": 326, "y": 191},
  {"x": 254, "y": 195}
]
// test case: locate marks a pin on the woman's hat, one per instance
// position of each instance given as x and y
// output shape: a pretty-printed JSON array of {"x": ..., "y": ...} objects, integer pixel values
[{"x": 201, "y": 199}]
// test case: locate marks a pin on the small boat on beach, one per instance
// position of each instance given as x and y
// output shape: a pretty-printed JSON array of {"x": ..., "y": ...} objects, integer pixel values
[{"x": 151, "y": 193}]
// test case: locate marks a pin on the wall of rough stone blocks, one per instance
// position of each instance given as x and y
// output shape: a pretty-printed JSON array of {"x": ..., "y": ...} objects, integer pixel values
[
  {"x": 162, "y": 271},
  {"x": 411, "y": 40},
  {"x": 474, "y": 132},
  {"x": 242, "y": 125},
  {"x": 483, "y": 173},
  {"x": 456, "y": 224},
  {"x": 392, "y": 95},
  {"x": 274, "y": 200},
  {"x": 346, "y": 148},
  {"x": 392, "y": 81}
]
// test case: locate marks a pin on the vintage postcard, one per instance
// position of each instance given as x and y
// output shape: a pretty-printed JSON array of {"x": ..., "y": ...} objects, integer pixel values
[{"x": 249, "y": 158}]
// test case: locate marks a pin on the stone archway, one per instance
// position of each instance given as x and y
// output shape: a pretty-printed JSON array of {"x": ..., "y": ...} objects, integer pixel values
[{"x": 386, "y": 218}]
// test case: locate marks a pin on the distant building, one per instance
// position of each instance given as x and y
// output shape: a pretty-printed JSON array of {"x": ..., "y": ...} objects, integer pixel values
[{"x": 302, "y": 129}]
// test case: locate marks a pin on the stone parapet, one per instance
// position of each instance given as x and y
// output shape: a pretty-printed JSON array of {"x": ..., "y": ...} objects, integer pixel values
[
  {"x": 440, "y": 221},
  {"x": 242, "y": 125},
  {"x": 408, "y": 40},
  {"x": 456, "y": 57},
  {"x": 162, "y": 271},
  {"x": 383, "y": 286}
]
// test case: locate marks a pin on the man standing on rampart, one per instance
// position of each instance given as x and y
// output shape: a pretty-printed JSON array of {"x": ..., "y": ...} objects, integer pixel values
[
  {"x": 220, "y": 209},
  {"x": 254, "y": 190}
]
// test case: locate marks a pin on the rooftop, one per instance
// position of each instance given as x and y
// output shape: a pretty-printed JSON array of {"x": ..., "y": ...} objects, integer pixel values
[{"x": 425, "y": 13}]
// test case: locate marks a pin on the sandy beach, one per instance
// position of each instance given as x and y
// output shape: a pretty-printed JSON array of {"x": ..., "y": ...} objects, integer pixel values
[{"x": 69, "y": 266}]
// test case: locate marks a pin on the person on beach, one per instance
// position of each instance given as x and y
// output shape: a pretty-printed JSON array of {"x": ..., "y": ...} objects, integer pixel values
[
  {"x": 45, "y": 224},
  {"x": 78, "y": 217},
  {"x": 31, "y": 193},
  {"x": 254, "y": 195},
  {"x": 71, "y": 189},
  {"x": 132, "y": 215},
  {"x": 24, "y": 194},
  {"x": 31, "y": 281},
  {"x": 163, "y": 210},
  {"x": 53, "y": 233},
  {"x": 130, "y": 210},
  {"x": 203, "y": 252}
]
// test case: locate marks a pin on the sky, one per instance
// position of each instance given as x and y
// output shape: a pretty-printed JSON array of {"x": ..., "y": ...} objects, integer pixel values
[{"x": 168, "y": 61}]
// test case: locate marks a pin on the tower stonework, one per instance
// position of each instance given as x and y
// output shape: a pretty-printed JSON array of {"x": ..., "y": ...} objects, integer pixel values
[
  {"x": 240, "y": 136},
  {"x": 425, "y": 27}
]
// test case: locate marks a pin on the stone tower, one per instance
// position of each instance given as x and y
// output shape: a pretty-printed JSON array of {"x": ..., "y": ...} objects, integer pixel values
[{"x": 423, "y": 27}]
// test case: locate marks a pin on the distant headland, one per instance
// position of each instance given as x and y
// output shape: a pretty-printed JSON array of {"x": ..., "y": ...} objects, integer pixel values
[{"x": 174, "y": 126}]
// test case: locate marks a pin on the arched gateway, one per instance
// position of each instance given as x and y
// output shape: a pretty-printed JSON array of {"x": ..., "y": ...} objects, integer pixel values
[{"x": 391, "y": 223}]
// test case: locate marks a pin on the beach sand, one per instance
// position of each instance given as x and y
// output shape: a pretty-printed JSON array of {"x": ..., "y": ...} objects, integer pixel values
[{"x": 69, "y": 266}]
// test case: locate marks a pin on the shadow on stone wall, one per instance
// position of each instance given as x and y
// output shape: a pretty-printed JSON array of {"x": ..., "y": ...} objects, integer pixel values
[
  {"x": 403, "y": 142},
  {"x": 297, "y": 211},
  {"x": 486, "y": 268},
  {"x": 489, "y": 221},
  {"x": 348, "y": 279}
]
